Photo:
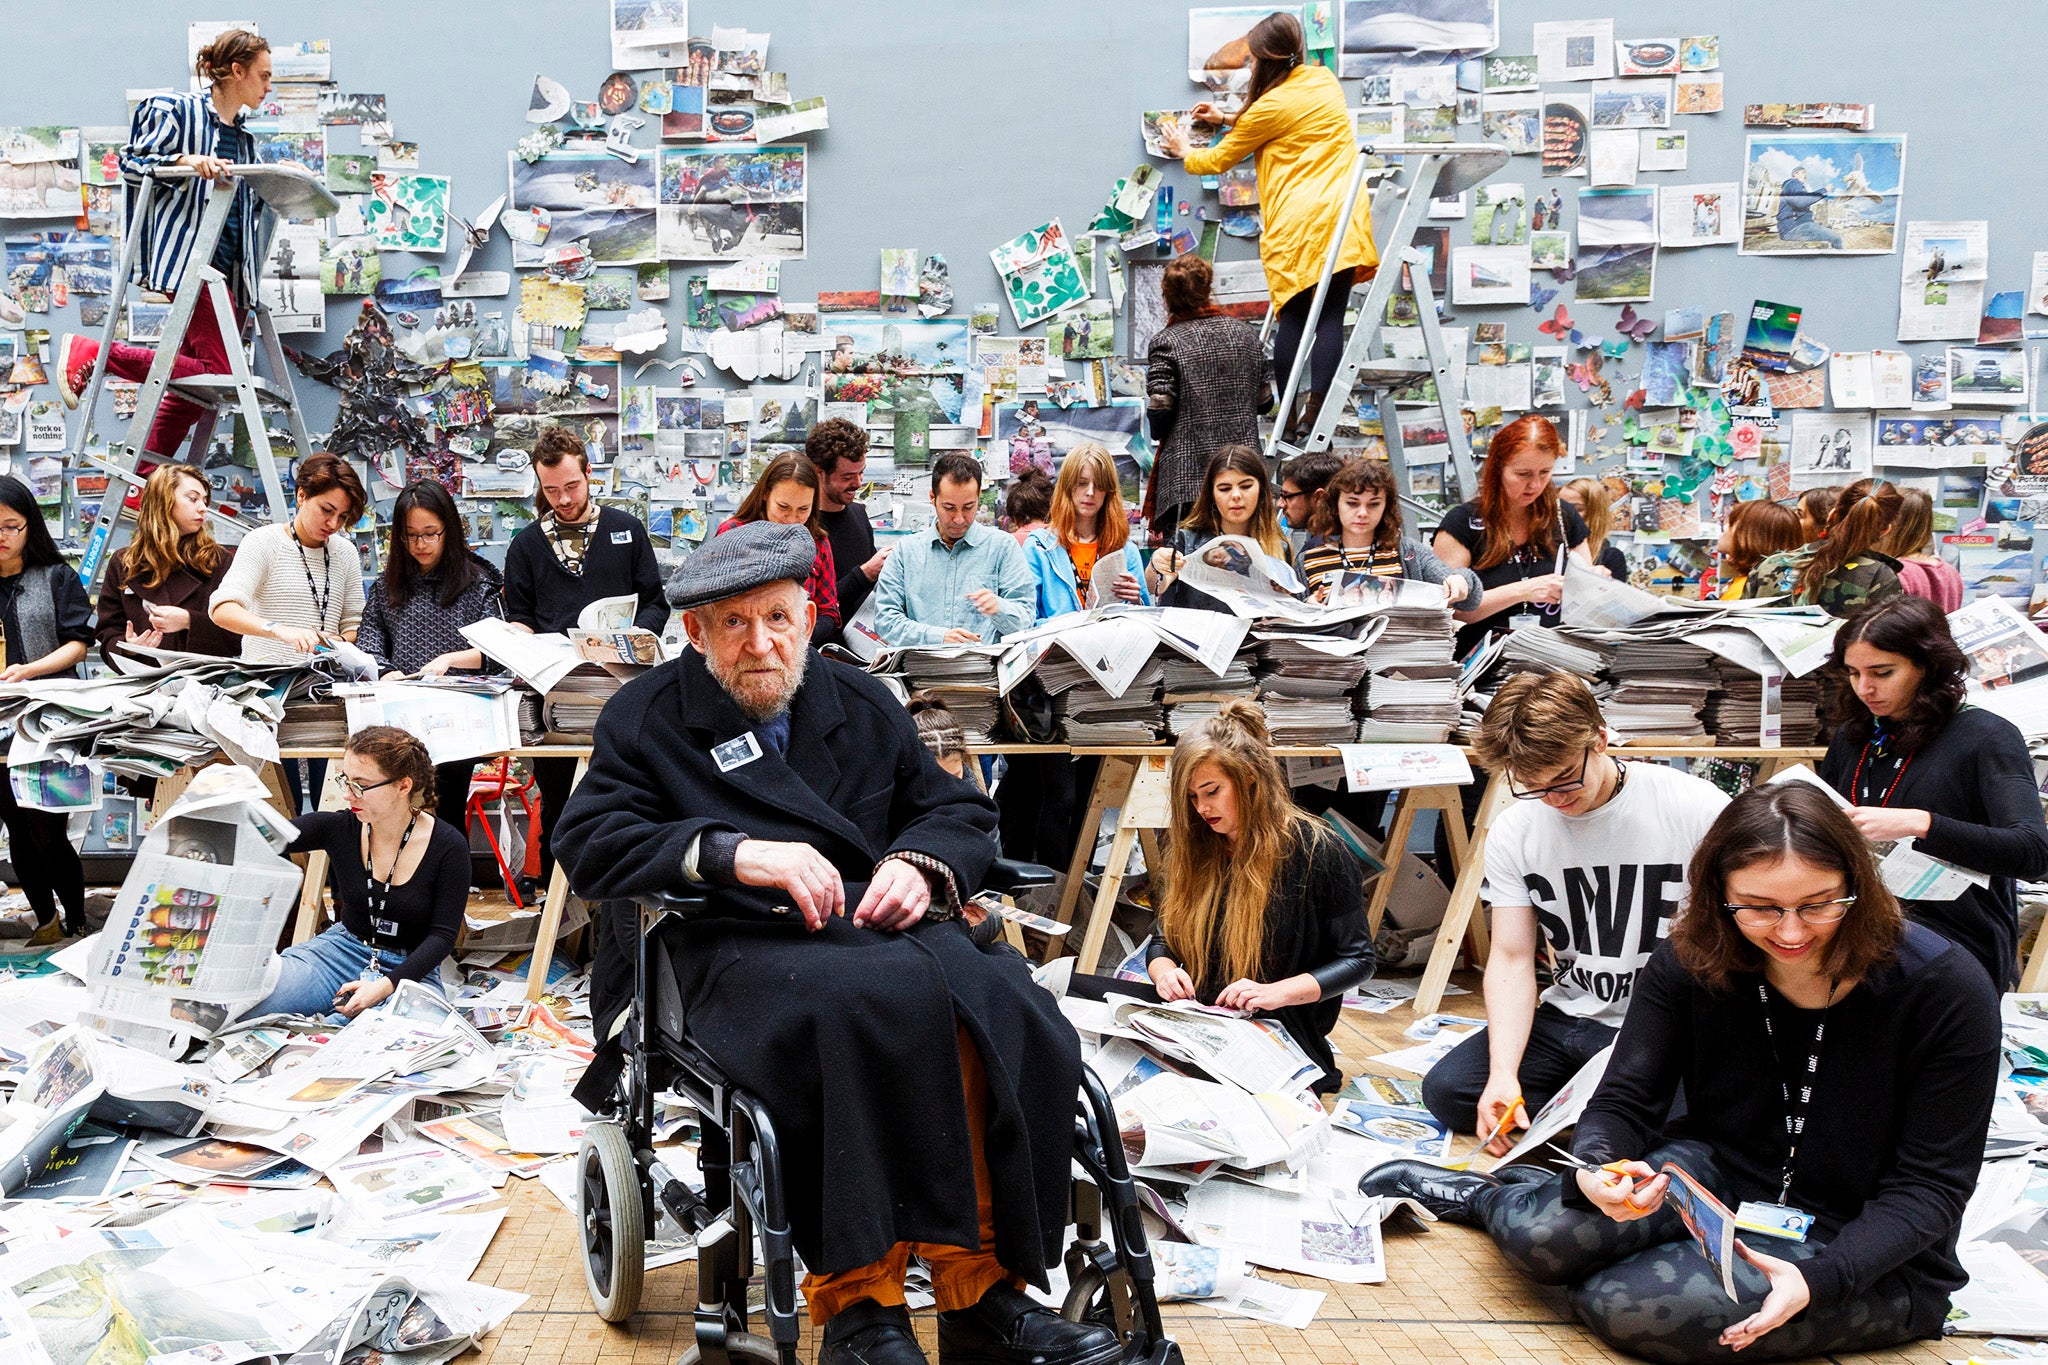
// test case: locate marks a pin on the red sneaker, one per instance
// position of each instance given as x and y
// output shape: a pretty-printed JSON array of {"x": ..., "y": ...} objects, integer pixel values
[{"x": 75, "y": 355}]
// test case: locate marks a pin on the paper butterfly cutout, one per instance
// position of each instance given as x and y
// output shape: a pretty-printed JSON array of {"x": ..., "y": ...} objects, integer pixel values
[
  {"x": 1539, "y": 299},
  {"x": 1587, "y": 376},
  {"x": 1613, "y": 350},
  {"x": 1634, "y": 432},
  {"x": 1634, "y": 402},
  {"x": 1559, "y": 326},
  {"x": 1634, "y": 326}
]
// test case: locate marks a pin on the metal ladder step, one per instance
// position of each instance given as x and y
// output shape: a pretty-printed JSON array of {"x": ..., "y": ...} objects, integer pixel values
[{"x": 221, "y": 391}]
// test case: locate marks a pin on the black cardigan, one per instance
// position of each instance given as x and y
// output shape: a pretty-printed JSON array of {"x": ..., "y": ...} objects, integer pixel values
[
  {"x": 853, "y": 544},
  {"x": 541, "y": 595},
  {"x": 1315, "y": 923},
  {"x": 1895, "y": 1129},
  {"x": 1977, "y": 780}
]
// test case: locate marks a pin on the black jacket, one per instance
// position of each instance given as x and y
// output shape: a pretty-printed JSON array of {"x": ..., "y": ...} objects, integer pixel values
[
  {"x": 1315, "y": 923},
  {"x": 1894, "y": 1131},
  {"x": 543, "y": 596},
  {"x": 1977, "y": 781},
  {"x": 847, "y": 1035},
  {"x": 853, "y": 544}
]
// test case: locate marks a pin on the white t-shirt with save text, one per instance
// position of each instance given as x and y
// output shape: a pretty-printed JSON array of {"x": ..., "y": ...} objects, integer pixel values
[{"x": 1604, "y": 885}]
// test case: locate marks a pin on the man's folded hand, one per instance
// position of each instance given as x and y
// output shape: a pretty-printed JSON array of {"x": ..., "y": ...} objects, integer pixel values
[
  {"x": 805, "y": 874},
  {"x": 897, "y": 897}
]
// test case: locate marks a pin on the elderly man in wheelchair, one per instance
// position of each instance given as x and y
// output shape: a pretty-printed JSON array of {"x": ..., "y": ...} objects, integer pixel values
[{"x": 922, "y": 1091}]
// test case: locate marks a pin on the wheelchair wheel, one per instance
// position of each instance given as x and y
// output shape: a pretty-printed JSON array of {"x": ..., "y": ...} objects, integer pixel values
[
  {"x": 614, "y": 1221},
  {"x": 1089, "y": 1300},
  {"x": 739, "y": 1346}
]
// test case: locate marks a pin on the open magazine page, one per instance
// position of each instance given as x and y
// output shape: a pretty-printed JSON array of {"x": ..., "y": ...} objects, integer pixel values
[
  {"x": 1708, "y": 1220},
  {"x": 2001, "y": 646},
  {"x": 1562, "y": 1111},
  {"x": 1256, "y": 1055},
  {"x": 539, "y": 661},
  {"x": 1238, "y": 573},
  {"x": 57, "y": 1089},
  {"x": 1306, "y": 1234}
]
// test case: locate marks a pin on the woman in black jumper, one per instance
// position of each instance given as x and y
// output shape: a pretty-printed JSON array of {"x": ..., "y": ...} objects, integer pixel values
[
  {"x": 1261, "y": 908},
  {"x": 1791, "y": 996},
  {"x": 1918, "y": 764}
]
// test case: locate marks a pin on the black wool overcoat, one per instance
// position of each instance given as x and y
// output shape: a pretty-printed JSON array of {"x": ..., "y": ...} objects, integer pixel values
[{"x": 847, "y": 1035}]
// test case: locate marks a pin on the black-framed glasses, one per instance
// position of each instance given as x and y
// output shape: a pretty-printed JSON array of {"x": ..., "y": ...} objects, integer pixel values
[
  {"x": 1769, "y": 916},
  {"x": 1521, "y": 793},
  {"x": 354, "y": 787}
]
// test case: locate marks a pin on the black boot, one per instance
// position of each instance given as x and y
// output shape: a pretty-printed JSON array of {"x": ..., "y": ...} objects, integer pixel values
[
  {"x": 1009, "y": 1328},
  {"x": 1447, "y": 1194},
  {"x": 869, "y": 1334}
]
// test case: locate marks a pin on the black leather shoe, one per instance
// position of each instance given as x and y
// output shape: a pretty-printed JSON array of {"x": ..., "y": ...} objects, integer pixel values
[
  {"x": 1447, "y": 1194},
  {"x": 869, "y": 1334},
  {"x": 1009, "y": 1328}
]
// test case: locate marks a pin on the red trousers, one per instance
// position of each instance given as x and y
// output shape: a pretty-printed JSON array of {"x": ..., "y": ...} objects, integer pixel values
[{"x": 204, "y": 351}]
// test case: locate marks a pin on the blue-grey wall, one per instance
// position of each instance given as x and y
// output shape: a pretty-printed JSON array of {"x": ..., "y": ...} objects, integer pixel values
[{"x": 958, "y": 123}]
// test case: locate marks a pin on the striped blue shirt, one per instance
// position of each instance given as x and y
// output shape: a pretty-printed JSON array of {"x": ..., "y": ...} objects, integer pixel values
[{"x": 165, "y": 128}]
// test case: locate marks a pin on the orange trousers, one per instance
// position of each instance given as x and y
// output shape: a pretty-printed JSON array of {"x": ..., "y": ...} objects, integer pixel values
[{"x": 959, "y": 1276}]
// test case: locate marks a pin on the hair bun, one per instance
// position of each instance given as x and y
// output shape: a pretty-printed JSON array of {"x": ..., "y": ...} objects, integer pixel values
[{"x": 1246, "y": 716}]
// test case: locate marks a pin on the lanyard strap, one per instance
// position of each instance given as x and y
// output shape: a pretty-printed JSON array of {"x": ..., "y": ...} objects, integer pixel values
[
  {"x": 1861, "y": 793},
  {"x": 321, "y": 597},
  {"x": 1795, "y": 1107},
  {"x": 378, "y": 896}
]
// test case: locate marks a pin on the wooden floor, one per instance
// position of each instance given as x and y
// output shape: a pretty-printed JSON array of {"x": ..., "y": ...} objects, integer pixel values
[{"x": 1448, "y": 1295}]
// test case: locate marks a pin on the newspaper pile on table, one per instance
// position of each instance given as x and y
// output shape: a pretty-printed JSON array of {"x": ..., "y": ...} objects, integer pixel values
[
  {"x": 1234, "y": 1152},
  {"x": 157, "y": 715},
  {"x": 284, "y": 1189}
]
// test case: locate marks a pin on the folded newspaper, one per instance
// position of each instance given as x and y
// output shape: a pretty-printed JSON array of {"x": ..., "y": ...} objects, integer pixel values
[
  {"x": 1908, "y": 873},
  {"x": 191, "y": 937}
]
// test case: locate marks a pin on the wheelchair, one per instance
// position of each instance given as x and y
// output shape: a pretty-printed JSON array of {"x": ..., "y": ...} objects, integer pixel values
[{"x": 621, "y": 1182}]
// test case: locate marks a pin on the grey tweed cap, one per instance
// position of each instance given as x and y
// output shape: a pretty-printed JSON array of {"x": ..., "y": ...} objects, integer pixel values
[{"x": 743, "y": 559}]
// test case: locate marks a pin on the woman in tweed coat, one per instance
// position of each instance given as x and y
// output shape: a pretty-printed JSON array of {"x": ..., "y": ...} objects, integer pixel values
[{"x": 1207, "y": 380}]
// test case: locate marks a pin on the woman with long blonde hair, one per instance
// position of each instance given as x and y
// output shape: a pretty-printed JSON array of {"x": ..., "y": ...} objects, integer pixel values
[
  {"x": 1260, "y": 907},
  {"x": 1087, "y": 524},
  {"x": 1590, "y": 499},
  {"x": 159, "y": 585}
]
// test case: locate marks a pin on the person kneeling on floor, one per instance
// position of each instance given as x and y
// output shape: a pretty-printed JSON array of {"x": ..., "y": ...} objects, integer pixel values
[
  {"x": 924, "y": 1092},
  {"x": 1839, "y": 1065}
]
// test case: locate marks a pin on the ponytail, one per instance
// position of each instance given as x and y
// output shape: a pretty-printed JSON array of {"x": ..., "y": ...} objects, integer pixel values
[{"x": 1859, "y": 523}]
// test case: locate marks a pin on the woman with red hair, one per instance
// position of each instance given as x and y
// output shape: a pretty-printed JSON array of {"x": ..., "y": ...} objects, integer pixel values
[{"x": 1514, "y": 536}]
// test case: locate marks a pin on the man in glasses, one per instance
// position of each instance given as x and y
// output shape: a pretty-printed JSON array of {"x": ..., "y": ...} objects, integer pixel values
[{"x": 1590, "y": 863}]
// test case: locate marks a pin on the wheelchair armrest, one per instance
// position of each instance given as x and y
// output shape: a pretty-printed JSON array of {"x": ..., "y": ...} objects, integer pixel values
[
  {"x": 1007, "y": 877},
  {"x": 685, "y": 904}
]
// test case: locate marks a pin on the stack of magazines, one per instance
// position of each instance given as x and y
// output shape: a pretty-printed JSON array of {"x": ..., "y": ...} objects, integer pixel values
[
  {"x": 1660, "y": 687},
  {"x": 964, "y": 679},
  {"x": 1087, "y": 714},
  {"x": 1417, "y": 704}
]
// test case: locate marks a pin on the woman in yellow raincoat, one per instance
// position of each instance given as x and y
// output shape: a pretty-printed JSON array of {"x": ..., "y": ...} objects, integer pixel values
[{"x": 1299, "y": 132}]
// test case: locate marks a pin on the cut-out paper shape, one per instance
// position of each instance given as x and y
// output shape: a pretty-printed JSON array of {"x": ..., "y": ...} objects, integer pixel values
[
  {"x": 550, "y": 100},
  {"x": 1559, "y": 326},
  {"x": 1634, "y": 326},
  {"x": 1613, "y": 350},
  {"x": 1540, "y": 297}
]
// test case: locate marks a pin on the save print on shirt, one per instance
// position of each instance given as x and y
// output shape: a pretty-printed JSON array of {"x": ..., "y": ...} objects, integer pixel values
[{"x": 1605, "y": 885}]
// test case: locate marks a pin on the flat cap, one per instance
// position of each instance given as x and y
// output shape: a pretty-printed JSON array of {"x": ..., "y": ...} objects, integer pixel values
[{"x": 741, "y": 560}]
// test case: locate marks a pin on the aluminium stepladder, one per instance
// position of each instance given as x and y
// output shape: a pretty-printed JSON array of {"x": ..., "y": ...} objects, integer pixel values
[
  {"x": 1429, "y": 170},
  {"x": 288, "y": 190}
]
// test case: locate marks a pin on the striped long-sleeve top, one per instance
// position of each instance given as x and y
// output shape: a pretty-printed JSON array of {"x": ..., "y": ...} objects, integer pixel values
[{"x": 165, "y": 128}]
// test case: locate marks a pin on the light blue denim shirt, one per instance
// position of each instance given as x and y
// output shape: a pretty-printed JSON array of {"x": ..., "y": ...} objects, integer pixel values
[{"x": 922, "y": 592}]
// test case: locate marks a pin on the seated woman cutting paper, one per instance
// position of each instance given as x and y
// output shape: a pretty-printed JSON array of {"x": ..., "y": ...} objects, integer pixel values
[
  {"x": 1838, "y": 1063},
  {"x": 1261, "y": 907}
]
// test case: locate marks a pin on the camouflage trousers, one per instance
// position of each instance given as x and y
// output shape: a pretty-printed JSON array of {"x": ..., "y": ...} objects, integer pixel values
[{"x": 1643, "y": 1287}]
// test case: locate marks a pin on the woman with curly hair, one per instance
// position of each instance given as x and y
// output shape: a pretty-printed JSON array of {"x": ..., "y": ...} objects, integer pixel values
[{"x": 1915, "y": 763}]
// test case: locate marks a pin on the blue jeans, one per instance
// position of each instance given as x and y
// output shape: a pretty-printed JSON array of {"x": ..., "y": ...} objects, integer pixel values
[
  {"x": 311, "y": 972},
  {"x": 1809, "y": 231}
]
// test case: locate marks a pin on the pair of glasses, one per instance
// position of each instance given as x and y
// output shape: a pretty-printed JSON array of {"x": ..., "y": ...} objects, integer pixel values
[
  {"x": 357, "y": 788},
  {"x": 423, "y": 537},
  {"x": 1768, "y": 916},
  {"x": 1521, "y": 793}
]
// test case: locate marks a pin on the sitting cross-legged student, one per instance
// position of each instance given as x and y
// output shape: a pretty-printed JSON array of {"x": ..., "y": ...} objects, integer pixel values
[
  {"x": 923, "y": 1091},
  {"x": 1261, "y": 907},
  {"x": 1589, "y": 863},
  {"x": 1838, "y": 1063}
]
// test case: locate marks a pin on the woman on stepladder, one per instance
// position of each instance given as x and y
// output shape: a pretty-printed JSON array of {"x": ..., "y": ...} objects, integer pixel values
[
  {"x": 1296, "y": 126},
  {"x": 203, "y": 133}
]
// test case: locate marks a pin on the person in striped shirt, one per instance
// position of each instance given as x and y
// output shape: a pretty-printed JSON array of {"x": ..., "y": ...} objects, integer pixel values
[
  {"x": 203, "y": 133},
  {"x": 1357, "y": 529}
]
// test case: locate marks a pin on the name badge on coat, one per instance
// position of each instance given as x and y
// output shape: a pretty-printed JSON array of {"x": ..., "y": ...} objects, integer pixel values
[
  {"x": 736, "y": 753},
  {"x": 622, "y": 537}
]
